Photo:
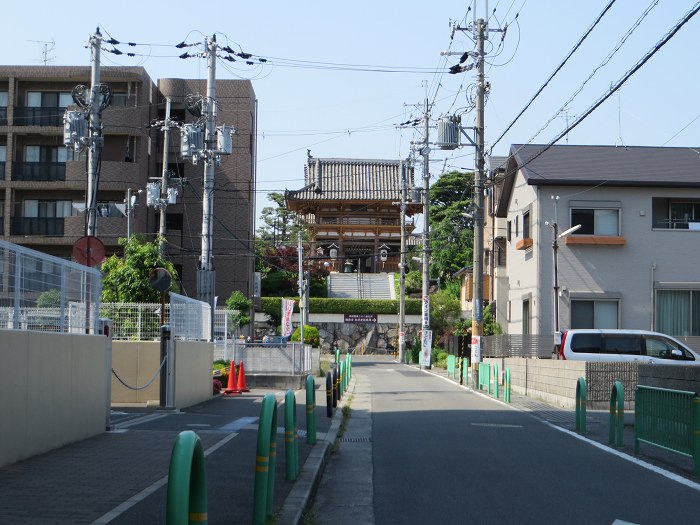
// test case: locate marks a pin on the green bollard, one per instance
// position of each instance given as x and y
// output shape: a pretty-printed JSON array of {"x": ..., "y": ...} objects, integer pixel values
[
  {"x": 341, "y": 380},
  {"x": 506, "y": 387},
  {"x": 291, "y": 450},
  {"x": 329, "y": 394},
  {"x": 187, "y": 482},
  {"x": 310, "y": 410},
  {"x": 581, "y": 401},
  {"x": 495, "y": 380},
  {"x": 337, "y": 355},
  {"x": 336, "y": 388},
  {"x": 617, "y": 414},
  {"x": 264, "y": 488}
]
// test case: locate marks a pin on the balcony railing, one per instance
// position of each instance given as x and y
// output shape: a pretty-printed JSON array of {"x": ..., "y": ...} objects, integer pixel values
[
  {"x": 3, "y": 116},
  {"x": 25, "y": 116},
  {"x": 39, "y": 171},
  {"x": 359, "y": 221},
  {"x": 47, "y": 226}
]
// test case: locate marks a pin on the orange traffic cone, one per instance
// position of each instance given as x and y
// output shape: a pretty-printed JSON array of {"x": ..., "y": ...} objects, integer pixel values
[
  {"x": 242, "y": 387},
  {"x": 232, "y": 387}
]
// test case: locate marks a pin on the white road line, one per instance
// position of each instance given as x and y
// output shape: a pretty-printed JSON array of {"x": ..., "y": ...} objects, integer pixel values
[
  {"x": 653, "y": 468},
  {"x": 137, "y": 498}
]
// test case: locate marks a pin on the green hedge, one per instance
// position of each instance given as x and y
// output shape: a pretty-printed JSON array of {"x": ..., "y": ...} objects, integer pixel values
[{"x": 319, "y": 305}]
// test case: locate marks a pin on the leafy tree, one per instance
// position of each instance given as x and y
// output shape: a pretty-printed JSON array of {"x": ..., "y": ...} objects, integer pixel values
[
  {"x": 450, "y": 224},
  {"x": 238, "y": 301},
  {"x": 282, "y": 278},
  {"x": 491, "y": 327},
  {"x": 49, "y": 299},
  {"x": 311, "y": 335},
  {"x": 126, "y": 279},
  {"x": 444, "y": 312},
  {"x": 279, "y": 225}
]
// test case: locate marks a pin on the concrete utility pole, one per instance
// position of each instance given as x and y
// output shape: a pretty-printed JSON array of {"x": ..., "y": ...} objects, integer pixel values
[
  {"x": 164, "y": 177},
  {"x": 478, "y": 264},
  {"x": 95, "y": 131},
  {"x": 425, "y": 151},
  {"x": 302, "y": 289},
  {"x": 402, "y": 267},
  {"x": 206, "y": 276}
]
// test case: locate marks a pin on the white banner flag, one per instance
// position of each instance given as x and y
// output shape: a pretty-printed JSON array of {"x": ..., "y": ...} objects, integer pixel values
[{"x": 287, "y": 311}]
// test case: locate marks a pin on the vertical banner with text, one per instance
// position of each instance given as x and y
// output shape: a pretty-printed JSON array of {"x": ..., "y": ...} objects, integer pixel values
[
  {"x": 287, "y": 311},
  {"x": 426, "y": 344}
]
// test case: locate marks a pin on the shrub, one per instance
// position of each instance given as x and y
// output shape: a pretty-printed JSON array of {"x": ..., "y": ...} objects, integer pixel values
[
  {"x": 217, "y": 387},
  {"x": 415, "y": 351},
  {"x": 311, "y": 336}
]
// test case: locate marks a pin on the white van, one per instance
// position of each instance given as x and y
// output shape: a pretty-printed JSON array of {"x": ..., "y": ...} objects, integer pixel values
[{"x": 625, "y": 345}]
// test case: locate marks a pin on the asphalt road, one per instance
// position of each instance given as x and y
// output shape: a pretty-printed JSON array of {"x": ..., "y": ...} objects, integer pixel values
[{"x": 441, "y": 454}]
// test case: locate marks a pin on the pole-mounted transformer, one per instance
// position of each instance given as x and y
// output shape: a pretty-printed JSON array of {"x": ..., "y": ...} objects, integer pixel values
[
  {"x": 448, "y": 132},
  {"x": 75, "y": 129}
]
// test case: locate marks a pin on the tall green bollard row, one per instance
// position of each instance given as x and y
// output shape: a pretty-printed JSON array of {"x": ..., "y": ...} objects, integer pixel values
[
  {"x": 187, "y": 482},
  {"x": 329, "y": 394},
  {"x": 617, "y": 414},
  {"x": 291, "y": 449},
  {"x": 581, "y": 401},
  {"x": 310, "y": 410},
  {"x": 264, "y": 490},
  {"x": 495, "y": 380}
]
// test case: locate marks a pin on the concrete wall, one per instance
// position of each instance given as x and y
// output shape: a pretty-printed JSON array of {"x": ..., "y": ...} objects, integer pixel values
[
  {"x": 671, "y": 376},
  {"x": 52, "y": 391},
  {"x": 137, "y": 361},
  {"x": 551, "y": 380}
]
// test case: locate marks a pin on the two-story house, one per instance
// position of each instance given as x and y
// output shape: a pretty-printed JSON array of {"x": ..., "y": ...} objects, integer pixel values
[{"x": 631, "y": 259}]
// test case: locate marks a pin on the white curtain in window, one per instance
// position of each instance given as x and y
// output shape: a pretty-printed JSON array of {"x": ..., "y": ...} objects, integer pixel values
[
  {"x": 31, "y": 208},
  {"x": 32, "y": 154},
  {"x": 64, "y": 208},
  {"x": 34, "y": 99},
  {"x": 673, "y": 312},
  {"x": 605, "y": 314},
  {"x": 65, "y": 99},
  {"x": 606, "y": 222}
]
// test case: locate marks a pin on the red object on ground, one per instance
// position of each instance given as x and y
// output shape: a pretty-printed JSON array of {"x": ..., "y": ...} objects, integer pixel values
[
  {"x": 232, "y": 387},
  {"x": 242, "y": 387}
]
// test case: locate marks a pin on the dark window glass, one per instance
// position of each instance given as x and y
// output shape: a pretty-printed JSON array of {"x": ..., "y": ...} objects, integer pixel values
[
  {"x": 586, "y": 218},
  {"x": 623, "y": 344},
  {"x": 586, "y": 343}
]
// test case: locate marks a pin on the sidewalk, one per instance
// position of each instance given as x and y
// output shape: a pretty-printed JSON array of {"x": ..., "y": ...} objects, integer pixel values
[{"x": 120, "y": 476}]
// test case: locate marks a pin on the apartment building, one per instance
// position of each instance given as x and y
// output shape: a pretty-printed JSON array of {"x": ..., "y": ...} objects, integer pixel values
[{"x": 44, "y": 183}]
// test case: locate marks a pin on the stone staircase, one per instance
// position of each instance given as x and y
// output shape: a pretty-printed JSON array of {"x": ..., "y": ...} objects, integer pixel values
[{"x": 364, "y": 286}]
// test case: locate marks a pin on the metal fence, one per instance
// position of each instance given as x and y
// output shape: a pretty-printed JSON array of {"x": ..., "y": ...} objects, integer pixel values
[
  {"x": 189, "y": 318},
  {"x": 514, "y": 345},
  {"x": 47, "y": 293},
  {"x": 289, "y": 359}
]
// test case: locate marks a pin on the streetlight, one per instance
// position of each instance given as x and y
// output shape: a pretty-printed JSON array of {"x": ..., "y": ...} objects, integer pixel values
[
  {"x": 555, "y": 248},
  {"x": 130, "y": 202}
]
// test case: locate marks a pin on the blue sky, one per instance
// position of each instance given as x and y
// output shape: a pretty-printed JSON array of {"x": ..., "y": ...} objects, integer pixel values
[{"x": 337, "y": 113}]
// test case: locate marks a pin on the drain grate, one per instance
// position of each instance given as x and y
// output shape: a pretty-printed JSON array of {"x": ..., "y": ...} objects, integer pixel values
[{"x": 355, "y": 439}]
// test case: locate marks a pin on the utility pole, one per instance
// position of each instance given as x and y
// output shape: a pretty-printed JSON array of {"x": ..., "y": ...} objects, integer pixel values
[
  {"x": 425, "y": 151},
  {"x": 206, "y": 276},
  {"x": 95, "y": 133},
  {"x": 477, "y": 267},
  {"x": 164, "y": 177},
  {"x": 402, "y": 267},
  {"x": 302, "y": 288}
]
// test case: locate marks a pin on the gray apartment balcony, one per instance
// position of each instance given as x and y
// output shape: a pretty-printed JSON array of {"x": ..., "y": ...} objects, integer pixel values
[
  {"x": 39, "y": 171},
  {"x": 44, "y": 226},
  {"x": 38, "y": 116}
]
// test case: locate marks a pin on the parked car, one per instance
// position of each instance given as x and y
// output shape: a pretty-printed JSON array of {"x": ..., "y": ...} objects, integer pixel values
[
  {"x": 275, "y": 340},
  {"x": 625, "y": 345}
]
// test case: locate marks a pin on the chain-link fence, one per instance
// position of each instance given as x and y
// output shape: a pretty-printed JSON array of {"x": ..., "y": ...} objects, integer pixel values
[{"x": 46, "y": 293}]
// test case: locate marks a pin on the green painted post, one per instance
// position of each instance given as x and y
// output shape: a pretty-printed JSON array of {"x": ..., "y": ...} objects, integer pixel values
[
  {"x": 341, "y": 380},
  {"x": 495, "y": 380},
  {"x": 465, "y": 371},
  {"x": 329, "y": 394},
  {"x": 617, "y": 414},
  {"x": 265, "y": 459},
  {"x": 337, "y": 355},
  {"x": 696, "y": 435},
  {"x": 335, "y": 386},
  {"x": 506, "y": 387},
  {"x": 291, "y": 450},
  {"x": 310, "y": 410},
  {"x": 581, "y": 401},
  {"x": 187, "y": 482}
]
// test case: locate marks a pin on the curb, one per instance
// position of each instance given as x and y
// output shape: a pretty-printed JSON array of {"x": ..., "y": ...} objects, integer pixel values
[{"x": 304, "y": 490}]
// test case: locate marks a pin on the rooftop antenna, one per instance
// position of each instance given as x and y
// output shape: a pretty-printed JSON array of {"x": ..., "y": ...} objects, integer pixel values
[
  {"x": 619, "y": 119},
  {"x": 49, "y": 46},
  {"x": 564, "y": 113}
]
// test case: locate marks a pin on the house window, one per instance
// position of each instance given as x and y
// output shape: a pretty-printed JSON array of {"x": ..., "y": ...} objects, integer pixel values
[
  {"x": 678, "y": 312},
  {"x": 47, "y": 154},
  {"x": 49, "y": 99},
  {"x": 526, "y": 225},
  {"x": 676, "y": 214},
  {"x": 594, "y": 314},
  {"x": 596, "y": 221},
  {"x": 526, "y": 317},
  {"x": 48, "y": 209},
  {"x": 508, "y": 230}
]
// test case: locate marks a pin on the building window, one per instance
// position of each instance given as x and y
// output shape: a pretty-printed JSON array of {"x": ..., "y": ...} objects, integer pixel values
[
  {"x": 594, "y": 314},
  {"x": 49, "y": 209},
  {"x": 49, "y": 99},
  {"x": 526, "y": 225},
  {"x": 526, "y": 317},
  {"x": 676, "y": 214},
  {"x": 678, "y": 312},
  {"x": 47, "y": 154},
  {"x": 517, "y": 228},
  {"x": 3, "y": 99},
  {"x": 508, "y": 231},
  {"x": 596, "y": 221}
]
